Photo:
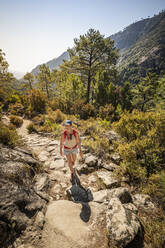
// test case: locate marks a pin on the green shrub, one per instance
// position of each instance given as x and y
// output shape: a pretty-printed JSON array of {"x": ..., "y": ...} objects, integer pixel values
[
  {"x": 14, "y": 99},
  {"x": 46, "y": 127},
  {"x": 87, "y": 111},
  {"x": 153, "y": 224},
  {"x": 56, "y": 116},
  {"x": 97, "y": 145},
  {"x": 31, "y": 128},
  {"x": 56, "y": 104},
  {"x": 11, "y": 126},
  {"x": 76, "y": 107},
  {"x": 107, "y": 112},
  {"x": 16, "y": 109},
  {"x": 8, "y": 137},
  {"x": 143, "y": 145},
  {"x": 15, "y": 120},
  {"x": 156, "y": 187},
  {"x": 37, "y": 102},
  {"x": 39, "y": 120}
]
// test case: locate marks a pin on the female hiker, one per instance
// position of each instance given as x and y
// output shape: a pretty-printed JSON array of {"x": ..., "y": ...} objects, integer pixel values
[{"x": 69, "y": 144}]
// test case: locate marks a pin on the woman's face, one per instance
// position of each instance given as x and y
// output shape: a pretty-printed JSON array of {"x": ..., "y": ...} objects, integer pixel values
[{"x": 68, "y": 127}]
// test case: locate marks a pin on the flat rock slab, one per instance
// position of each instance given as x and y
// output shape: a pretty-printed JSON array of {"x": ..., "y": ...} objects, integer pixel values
[
  {"x": 108, "y": 179},
  {"x": 43, "y": 156},
  {"x": 64, "y": 227},
  {"x": 111, "y": 166},
  {"x": 100, "y": 196},
  {"x": 57, "y": 164},
  {"x": 91, "y": 161}
]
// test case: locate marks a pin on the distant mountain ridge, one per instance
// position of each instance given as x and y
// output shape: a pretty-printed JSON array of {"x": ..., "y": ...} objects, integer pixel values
[
  {"x": 54, "y": 63},
  {"x": 141, "y": 44}
]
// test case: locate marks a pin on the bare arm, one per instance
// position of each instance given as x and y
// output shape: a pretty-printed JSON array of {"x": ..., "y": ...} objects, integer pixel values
[{"x": 79, "y": 144}]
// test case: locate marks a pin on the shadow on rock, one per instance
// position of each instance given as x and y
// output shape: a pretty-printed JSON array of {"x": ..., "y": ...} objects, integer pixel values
[
  {"x": 138, "y": 241},
  {"x": 78, "y": 194}
]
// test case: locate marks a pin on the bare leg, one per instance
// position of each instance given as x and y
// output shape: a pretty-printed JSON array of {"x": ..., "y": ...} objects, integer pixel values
[
  {"x": 73, "y": 157},
  {"x": 69, "y": 159}
]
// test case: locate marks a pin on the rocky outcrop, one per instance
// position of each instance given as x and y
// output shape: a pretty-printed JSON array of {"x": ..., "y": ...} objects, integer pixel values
[
  {"x": 122, "y": 224},
  {"x": 19, "y": 200},
  {"x": 108, "y": 179},
  {"x": 65, "y": 226}
]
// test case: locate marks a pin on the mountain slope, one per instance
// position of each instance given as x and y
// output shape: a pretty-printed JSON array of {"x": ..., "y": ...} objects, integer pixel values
[
  {"x": 142, "y": 48},
  {"x": 54, "y": 63}
]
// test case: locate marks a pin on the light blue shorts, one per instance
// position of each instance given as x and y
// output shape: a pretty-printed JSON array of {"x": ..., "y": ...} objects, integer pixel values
[{"x": 70, "y": 151}]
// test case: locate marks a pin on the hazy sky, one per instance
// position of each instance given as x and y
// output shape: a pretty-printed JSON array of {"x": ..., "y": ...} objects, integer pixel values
[{"x": 35, "y": 31}]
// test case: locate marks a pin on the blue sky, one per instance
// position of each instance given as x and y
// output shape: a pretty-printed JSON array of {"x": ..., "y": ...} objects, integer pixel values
[{"x": 35, "y": 31}]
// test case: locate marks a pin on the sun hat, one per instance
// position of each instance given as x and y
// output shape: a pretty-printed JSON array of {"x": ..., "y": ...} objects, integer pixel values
[{"x": 68, "y": 123}]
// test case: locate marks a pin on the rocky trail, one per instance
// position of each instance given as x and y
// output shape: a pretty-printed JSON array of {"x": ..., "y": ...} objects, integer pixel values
[
  {"x": 68, "y": 219},
  {"x": 63, "y": 225}
]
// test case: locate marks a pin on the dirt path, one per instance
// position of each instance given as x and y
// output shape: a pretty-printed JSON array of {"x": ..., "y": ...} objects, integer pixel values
[{"x": 22, "y": 131}]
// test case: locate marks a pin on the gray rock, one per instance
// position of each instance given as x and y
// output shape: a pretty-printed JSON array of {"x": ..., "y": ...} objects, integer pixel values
[
  {"x": 42, "y": 182},
  {"x": 131, "y": 207},
  {"x": 63, "y": 185},
  {"x": 90, "y": 164},
  {"x": 18, "y": 198},
  {"x": 110, "y": 166},
  {"x": 84, "y": 169},
  {"x": 91, "y": 161},
  {"x": 57, "y": 164},
  {"x": 57, "y": 176},
  {"x": 92, "y": 179},
  {"x": 122, "y": 225},
  {"x": 116, "y": 158},
  {"x": 39, "y": 221},
  {"x": 100, "y": 196},
  {"x": 43, "y": 156},
  {"x": 121, "y": 193},
  {"x": 112, "y": 136},
  {"x": 18, "y": 156},
  {"x": 108, "y": 179},
  {"x": 143, "y": 201},
  {"x": 50, "y": 148}
]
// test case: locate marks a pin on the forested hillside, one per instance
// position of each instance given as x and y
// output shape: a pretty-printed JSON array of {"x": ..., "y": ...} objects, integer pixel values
[{"x": 142, "y": 48}]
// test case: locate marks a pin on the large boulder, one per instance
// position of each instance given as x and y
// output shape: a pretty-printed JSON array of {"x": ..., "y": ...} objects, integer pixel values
[
  {"x": 66, "y": 226},
  {"x": 122, "y": 224},
  {"x": 19, "y": 200}
]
